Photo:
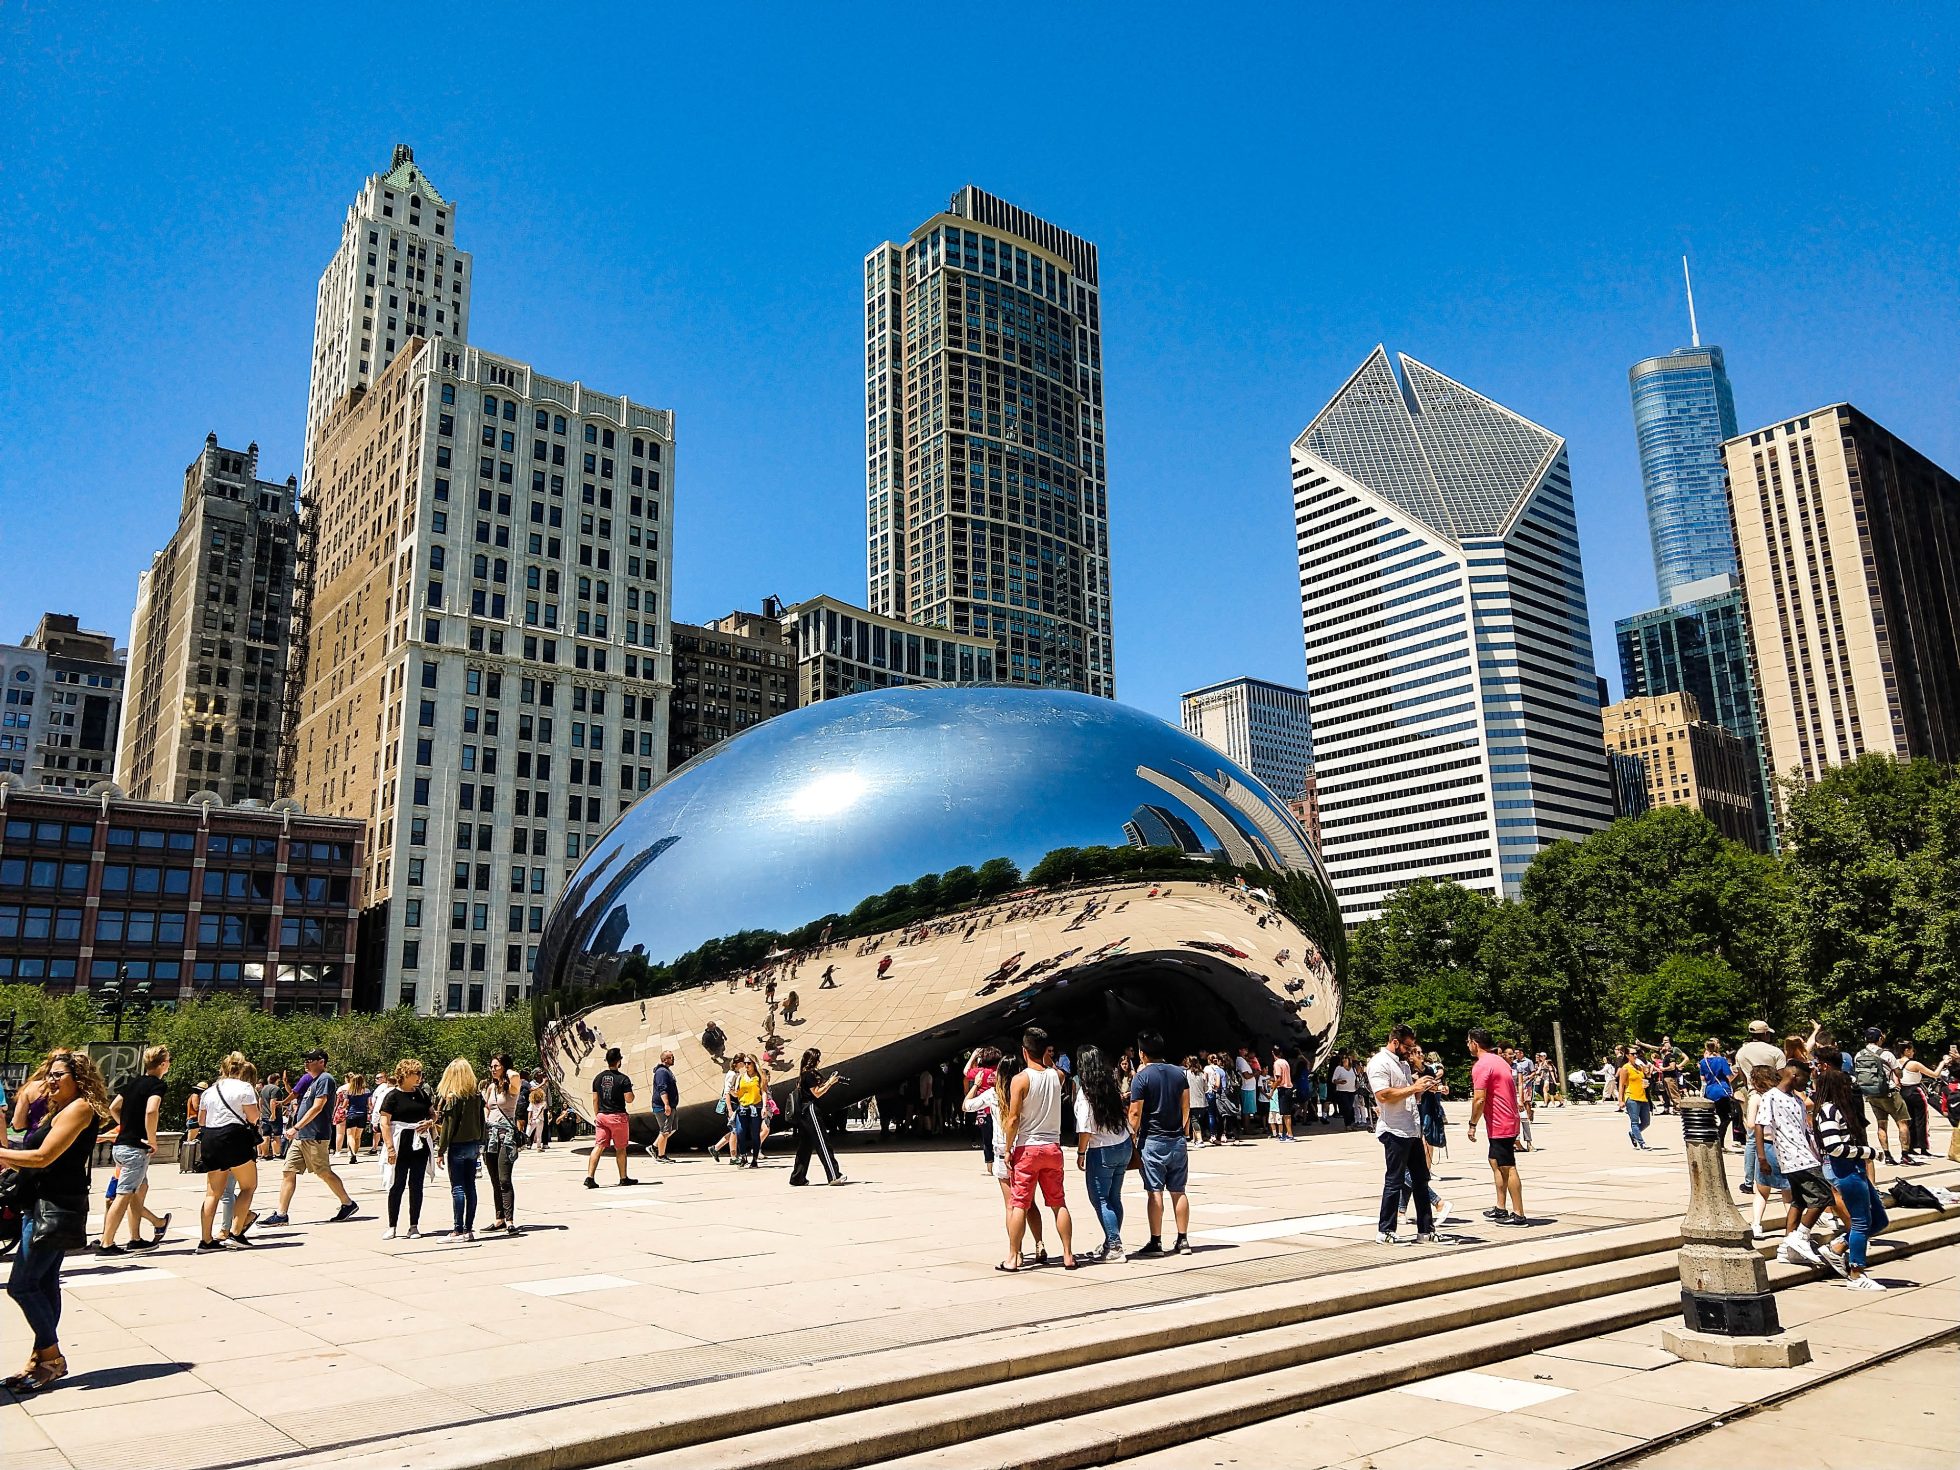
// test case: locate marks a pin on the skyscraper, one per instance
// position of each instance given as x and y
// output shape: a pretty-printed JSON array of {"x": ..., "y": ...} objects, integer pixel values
[
  {"x": 1699, "y": 645},
  {"x": 396, "y": 275},
  {"x": 1682, "y": 411},
  {"x": 487, "y": 684},
  {"x": 1456, "y": 721},
  {"x": 1685, "y": 760},
  {"x": 209, "y": 645},
  {"x": 1266, "y": 728},
  {"x": 986, "y": 494},
  {"x": 1850, "y": 548}
]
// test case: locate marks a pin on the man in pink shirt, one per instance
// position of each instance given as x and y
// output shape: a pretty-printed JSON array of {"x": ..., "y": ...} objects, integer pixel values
[
  {"x": 1494, "y": 1097},
  {"x": 1282, "y": 1114}
]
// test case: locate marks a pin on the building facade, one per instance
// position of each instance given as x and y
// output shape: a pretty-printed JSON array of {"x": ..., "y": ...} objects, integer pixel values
[
  {"x": 841, "y": 649},
  {"x": 211, "y": 639},
  {"x": 986, "y": 490},
  {"x": 1629, "y": 776},
  {"x": 1849, "y": 541},
  {"x": 728, "y": 675},
  {"x": 1683, "y": 410},
  {"x": 1699, "y": 645},
  {"x": 192, "y": 900},
  {"x": 61, "y": 706},
  {"x": 1688, "y": 761},
  {"x": 488, "y": 671},
  {"x": 1265, "y": 727},
  {"x": 396, "y": 276},
  {"x": 1450, "y": 675}
]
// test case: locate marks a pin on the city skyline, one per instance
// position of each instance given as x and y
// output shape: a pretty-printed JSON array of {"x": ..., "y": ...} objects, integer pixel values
[{"x": 175, "y": 333}]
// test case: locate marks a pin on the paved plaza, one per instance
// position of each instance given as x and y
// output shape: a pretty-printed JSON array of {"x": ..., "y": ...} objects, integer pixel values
[{"x": 328, "y": 1337}]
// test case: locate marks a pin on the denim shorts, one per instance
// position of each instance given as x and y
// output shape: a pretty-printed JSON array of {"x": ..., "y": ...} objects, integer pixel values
[
  {"x": 133, "y": 1162},
  {"x": 1165, "y": 1164},
  {"x": 1752, "y": 1172}
]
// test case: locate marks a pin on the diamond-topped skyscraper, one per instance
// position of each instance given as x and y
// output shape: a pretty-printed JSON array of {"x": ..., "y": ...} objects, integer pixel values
[
  {"x": 1456, "y": 725},
  {"x": 986, "y": 496}
]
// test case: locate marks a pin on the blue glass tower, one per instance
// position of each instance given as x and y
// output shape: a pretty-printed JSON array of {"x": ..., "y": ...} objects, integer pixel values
[{"x": 1682, "y": 411}]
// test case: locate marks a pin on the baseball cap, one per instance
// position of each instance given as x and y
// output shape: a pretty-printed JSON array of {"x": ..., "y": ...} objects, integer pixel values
[
  {"x": 1759, "y": 1028},
  {"x": 316, "y": 1055}
]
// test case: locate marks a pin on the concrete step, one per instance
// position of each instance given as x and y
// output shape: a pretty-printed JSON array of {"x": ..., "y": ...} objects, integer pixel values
[
  {"x": 816, "y": 1405},
  {"x": 1109, "y": 1437}
]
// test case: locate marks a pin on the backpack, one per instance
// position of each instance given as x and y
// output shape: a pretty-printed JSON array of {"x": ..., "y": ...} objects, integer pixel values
[
  {"x": 1909, "y": 1196},
  {"x": 1868, "y": 1071}
]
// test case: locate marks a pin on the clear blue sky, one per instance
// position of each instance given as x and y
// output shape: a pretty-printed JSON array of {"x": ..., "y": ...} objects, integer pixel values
[{"x": 673, "y": 202}]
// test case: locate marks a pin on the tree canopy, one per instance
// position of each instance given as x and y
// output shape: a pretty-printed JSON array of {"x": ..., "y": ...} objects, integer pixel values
[{"x": 1658, "y": 924}]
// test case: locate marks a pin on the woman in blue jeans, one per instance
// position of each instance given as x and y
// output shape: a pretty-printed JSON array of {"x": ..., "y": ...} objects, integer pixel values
[
  {"x": 1102, "y": 1145},
  {"x": 1841, "y": 1127},
  {"x": 460, "y": 1130},
  {"x": 54, "y": 1162}
]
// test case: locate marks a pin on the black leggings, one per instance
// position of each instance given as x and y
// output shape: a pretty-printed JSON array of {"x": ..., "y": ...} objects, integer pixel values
[
  {"x": 410, "y": 1165},
  {"x": 503, "y": 1189}
]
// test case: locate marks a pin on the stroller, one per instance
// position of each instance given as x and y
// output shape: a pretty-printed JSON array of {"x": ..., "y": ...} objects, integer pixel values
[{"x": 1582, "y": 1086}]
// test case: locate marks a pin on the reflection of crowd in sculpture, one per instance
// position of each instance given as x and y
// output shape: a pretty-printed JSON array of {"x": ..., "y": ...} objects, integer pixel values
[{"x": 570, "y": 1041}]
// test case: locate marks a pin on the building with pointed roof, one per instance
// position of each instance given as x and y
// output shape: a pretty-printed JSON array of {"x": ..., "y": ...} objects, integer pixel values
[
  {"x": 396, "y": 275},
  {"x": 1455, "y": 707}
]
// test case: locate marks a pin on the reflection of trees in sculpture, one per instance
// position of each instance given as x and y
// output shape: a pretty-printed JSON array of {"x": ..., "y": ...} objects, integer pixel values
[{"x": 934, "y": 895}]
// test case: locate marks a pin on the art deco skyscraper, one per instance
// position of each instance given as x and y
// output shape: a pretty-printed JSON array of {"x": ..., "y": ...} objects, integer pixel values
[
  {"x": 1456, "y": 725},
  {"x": 397, "y": 275},
  {"x": 210, "y": 642},
  {"x": 986, "y": 493},
  {"x": 1850, "y": 549}
]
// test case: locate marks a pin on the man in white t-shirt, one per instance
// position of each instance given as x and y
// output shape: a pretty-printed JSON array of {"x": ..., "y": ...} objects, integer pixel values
[{"x": 1392, "y": 1079}]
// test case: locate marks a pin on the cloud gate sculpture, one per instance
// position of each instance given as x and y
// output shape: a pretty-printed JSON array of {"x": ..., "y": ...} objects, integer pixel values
[{"x": 930, "y": 870}]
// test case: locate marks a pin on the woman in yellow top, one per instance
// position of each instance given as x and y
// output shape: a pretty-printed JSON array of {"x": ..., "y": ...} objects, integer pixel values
[
  {"x": 1633, "y": 1097},
  {"x": 748, "y": 1112}
]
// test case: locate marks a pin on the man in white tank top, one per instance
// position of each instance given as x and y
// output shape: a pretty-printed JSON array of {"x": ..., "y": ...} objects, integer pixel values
[{"x": 1033, "y": 1130}]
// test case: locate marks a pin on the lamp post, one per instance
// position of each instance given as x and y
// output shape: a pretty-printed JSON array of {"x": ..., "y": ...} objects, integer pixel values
[{"x": 1727, "y": 1309}]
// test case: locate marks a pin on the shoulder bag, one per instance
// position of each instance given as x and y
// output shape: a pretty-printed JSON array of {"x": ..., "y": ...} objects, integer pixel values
[{"x": 227, "y": 1145}]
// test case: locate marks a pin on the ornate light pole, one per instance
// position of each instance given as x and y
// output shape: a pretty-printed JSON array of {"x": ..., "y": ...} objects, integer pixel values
[{"x": 1728, "y": 1311}]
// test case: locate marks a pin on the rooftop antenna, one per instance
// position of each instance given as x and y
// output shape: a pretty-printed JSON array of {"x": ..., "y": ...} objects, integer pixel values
[{"x": 1694, "y": 331}]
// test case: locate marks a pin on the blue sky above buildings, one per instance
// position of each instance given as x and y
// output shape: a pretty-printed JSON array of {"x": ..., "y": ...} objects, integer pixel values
[{"x": 675, "y": 204}]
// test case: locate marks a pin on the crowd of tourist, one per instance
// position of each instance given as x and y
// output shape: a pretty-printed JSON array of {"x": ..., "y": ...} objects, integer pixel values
[{"x": 1802, "y": 1114}]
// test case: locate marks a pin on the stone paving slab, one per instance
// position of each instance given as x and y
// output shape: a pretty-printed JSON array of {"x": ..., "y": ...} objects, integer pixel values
[{"x": 326, "y": 1336}]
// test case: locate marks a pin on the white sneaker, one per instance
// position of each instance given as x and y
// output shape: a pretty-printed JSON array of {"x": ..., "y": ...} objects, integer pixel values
[
  {"x": 1803, "y": 1248},
  {"x": 1383, "y": 1237},
  {"x": 389, "y": 1233},
  {"x": 1835, "y": 1260},
  {"x": 1440, "y": 1211},
  {"x": 1867, "y": 1282}
]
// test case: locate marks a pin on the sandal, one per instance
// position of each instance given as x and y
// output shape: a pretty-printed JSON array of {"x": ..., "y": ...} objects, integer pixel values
[
  {"x": 1010, "y": 1270},
  {"x": 1041, "y": 1255},
  {"x": 48, "y": 1371}
]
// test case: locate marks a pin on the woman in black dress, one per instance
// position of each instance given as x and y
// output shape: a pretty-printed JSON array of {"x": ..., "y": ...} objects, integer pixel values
[
  {"x": 53, "y": 1162},
  {"x": 808, "y": 1125},
  {"x": 407, "y": 1120}
]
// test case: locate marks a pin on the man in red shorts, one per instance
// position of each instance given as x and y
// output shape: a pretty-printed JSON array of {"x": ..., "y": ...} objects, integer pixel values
[
  {"x": 612, "y": 1094},
  {"x": 1033, "y": 1130}
]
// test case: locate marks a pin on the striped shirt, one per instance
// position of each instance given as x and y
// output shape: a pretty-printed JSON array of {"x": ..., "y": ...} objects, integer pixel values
[{"x": 1835, "y": 1133}]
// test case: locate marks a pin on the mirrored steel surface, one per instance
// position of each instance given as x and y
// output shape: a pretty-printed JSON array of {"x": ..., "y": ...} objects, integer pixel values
[{"x": 930, "y": 870}]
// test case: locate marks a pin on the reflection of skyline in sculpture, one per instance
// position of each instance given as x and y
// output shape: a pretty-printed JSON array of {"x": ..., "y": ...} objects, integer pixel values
[
  {"x": 961, "y": 862},
  {"x": 1158, "y": 826}
]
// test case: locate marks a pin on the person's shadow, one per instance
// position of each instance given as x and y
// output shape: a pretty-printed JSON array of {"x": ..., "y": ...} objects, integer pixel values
[{"x": 95, "y": 1378}]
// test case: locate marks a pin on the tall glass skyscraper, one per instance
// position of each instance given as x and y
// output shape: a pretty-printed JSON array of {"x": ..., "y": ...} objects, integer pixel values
[
  {"x": 1682, "y": 411},
  {"x": 986, "y": 494},
  {"x": 1699, "y": 645}
]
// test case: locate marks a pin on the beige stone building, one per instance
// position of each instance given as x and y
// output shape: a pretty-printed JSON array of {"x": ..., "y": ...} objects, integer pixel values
[
  {"x": 487, "y": 675},
  {"x": 204, "y": 698},
  {"x": 1688, "y": 760},
  {"x": 1849, "y": 542},
  {"x": 728, "y": 675}
]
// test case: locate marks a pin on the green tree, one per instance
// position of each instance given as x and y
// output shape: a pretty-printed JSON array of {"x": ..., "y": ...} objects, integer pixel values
[
  {"x": 1873, "y": 856},
  {"x": 1689, "y": 997},
  {"x": 997, "y": 876}
]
